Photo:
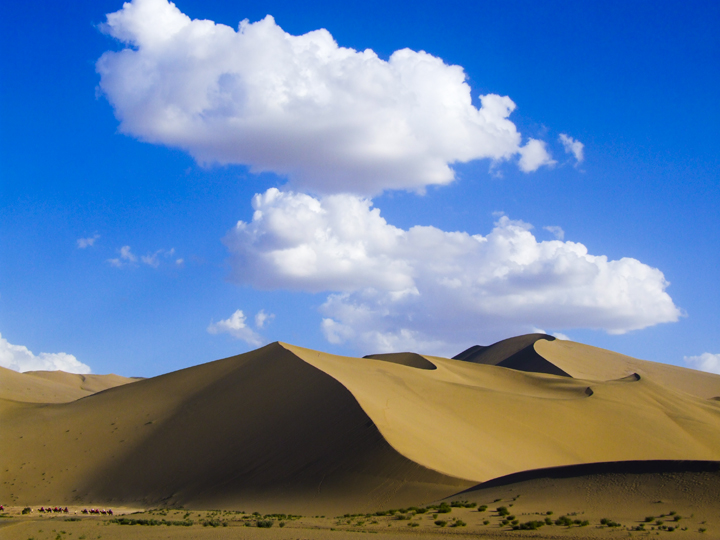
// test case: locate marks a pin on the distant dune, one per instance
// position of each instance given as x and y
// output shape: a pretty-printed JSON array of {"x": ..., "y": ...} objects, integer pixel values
[
  {"x": 289, "y": 429},
  {"x": 54, "y": 386}
]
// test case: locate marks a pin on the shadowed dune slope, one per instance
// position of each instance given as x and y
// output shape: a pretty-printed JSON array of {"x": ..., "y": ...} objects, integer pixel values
[
  {"x": 263, "y": 430},
  {"x": 54, "y": 386},
  {"x": 592, "y": 363},
  {"x": 628, "y": 490},
  {"x": 479, "y": 421},
  {"x": 514, "y": 353}
]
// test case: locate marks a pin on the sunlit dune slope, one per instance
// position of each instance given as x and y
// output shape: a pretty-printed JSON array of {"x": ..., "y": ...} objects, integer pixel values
[
  {"x": 481, "y": 421},
  {"x": 540, "y": 353},
  {"x": 54, "y": 386},
  {"x": 264, "y": 430},
  {"x": 592, "y": 363}
]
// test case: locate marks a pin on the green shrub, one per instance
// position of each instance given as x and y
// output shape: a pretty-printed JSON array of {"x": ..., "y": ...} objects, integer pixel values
[
  {"x": 264, "y": 523},
  {"x": 649, "y": 519},
  {"x": 459, "y": 523},
  {"x": 503, "y": 511},
  {"x": 482, "y": 508},
  {"x": 444, "y": 508},
  {"x": 529, "y": 525},
  {"x": 440, "y": 522}
]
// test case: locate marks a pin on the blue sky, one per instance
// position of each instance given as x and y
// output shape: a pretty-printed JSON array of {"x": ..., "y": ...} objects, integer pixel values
[{"x": 404, "y": 202}]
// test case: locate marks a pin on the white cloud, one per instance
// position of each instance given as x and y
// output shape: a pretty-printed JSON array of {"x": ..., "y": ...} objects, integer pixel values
[
  {"x": 262, "y": 318},
  {"x": 705, "y": 362},
  {"x": 19, "y": 358},
  {"x": 235, "y": 326},
  {"x": 534, "y": 155},
  {"x": 572, "y": 146},
  {"x": 394, "y": 287},
  {"x": 83, "y": 243},
  {"x": 126, "y": 257},
  {"x": 331, "y": 119},
  {"x": 556, "y": 231},
  {"x": 152, "y": 259}
]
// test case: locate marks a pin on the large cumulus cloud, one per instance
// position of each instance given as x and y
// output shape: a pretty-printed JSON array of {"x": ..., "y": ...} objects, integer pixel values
[
  {"x": 330, "y": 118},
  {"x": 20, "y": 358},
  {"x": 424, "y": 287}
]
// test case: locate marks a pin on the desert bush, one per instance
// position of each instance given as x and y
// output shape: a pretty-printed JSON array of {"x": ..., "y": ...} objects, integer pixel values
[
  {"x": 482, "y": 508},
  {"x": 529, "y": 525},
  {"x": 264, "y": 523},
  {"x": 486, "y": 522},
  {"x": 548, "y": 521},
  {"x": 444, "y": 508},
  {"x": 26, "y": 510},
  {"x": 649, "y": 519},
  {"x": 440, "y": 522},
  {"x": 677, "y": 518},
  {"x": 413, "y": 524},
  {"x": 503, "y": 511},
  {"x": 459, "y": 523},
  {"x": 609, "y": 522},
  {"x": 564, "y": 521}
]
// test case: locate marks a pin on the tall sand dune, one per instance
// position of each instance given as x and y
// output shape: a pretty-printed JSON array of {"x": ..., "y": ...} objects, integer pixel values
[
  {"x": 263, "y": 430},
  {"x": 289, "y": 429}
]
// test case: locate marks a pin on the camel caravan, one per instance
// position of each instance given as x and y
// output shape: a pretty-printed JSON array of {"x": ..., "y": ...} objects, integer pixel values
[{"x": 51, "y": 509}]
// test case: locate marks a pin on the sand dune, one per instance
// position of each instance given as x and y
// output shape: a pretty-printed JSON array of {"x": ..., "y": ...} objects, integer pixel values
[
  {"x": 54, "y": 386},
  {"x": 289, "y": 429},
  {"x": 263, "y": 429},
  {"x": 592, "y": 363}
]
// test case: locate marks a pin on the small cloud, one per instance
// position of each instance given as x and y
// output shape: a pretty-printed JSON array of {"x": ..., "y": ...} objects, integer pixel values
[
  {"x": 534, "y": 155},
  {"x": 126, "y": 257},
  {"x": 557, "y": 232},
  {"x": 179, "y": 262},
  {"x": 236, "y": 326},
  {"x": 152, "y": 260},
  {"x": 705, "y": 362},
  {"x": 572, "y": 146},
  {"x": 20, "y": 358},
  {"x": 83, "y": 243},
  {"x": 561, "y": 336},
  {"x": 263, "y": 318}
]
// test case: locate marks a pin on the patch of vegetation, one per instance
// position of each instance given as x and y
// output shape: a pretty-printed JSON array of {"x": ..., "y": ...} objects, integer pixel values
[
  {"x": 265, "y": 523},
  {"x": 462, "y": 504},
  {"x": 72, "y": 519},
  {"x": 440, "y": 522},
  {"x": 529, "y": 525},
  {"x": 413, "y": 524},
  {"x": 502, "y": 511},
  {"x": 151, "y": 522},
  {"x": 609, "y": 523},
  {"x": 26, "y": 510},
  {"x": 444, "y": 508},
  {"x": 482, "y": 508}
]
